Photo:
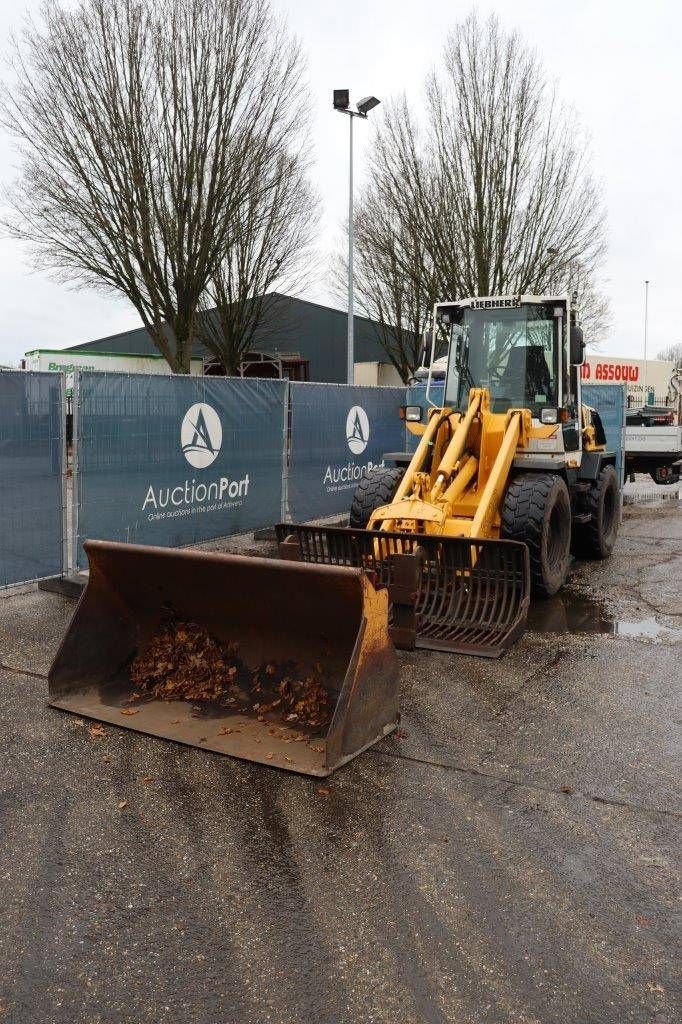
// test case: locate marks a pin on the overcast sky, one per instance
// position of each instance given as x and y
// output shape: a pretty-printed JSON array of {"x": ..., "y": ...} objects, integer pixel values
[{"x": 618, "y": 62}]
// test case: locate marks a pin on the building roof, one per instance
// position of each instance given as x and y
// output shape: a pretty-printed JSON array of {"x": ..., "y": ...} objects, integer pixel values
[{"x": 318, "y": 333}]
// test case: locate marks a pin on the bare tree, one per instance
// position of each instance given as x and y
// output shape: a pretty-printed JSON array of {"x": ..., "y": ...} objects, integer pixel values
[
  {"x": 269, "y": 249},
  {"x": 142, "y": 124},
  {"x": 396, "y": 283},
  {"x": 594, "y": 310},
  {"x": 592, "y": 305},
  {"x": 672, "y": 353},
  {"x": 494, "y": 189}
]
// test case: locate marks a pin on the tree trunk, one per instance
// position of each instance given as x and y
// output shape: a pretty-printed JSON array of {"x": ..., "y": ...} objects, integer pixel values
[{"x": 182, "y": 325}]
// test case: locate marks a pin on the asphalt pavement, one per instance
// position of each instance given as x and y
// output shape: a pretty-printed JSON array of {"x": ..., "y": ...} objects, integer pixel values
[{"x": 509, "y": 856}]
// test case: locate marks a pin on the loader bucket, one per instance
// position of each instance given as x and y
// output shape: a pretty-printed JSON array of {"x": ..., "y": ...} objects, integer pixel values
[
  {"x": 330, "y": 617},
  {"x": 447, "y": 593}
]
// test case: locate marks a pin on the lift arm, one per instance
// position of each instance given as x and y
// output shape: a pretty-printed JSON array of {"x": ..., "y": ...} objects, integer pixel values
[
  {"x": 419, "y": 458},
  {"x": 455, "y": 450},
  {"x": 493, "y": 492}
]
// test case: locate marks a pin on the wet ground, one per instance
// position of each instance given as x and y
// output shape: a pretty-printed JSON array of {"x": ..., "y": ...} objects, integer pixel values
[
  {"x": 643, "y": 488},
  {"x": 509, "y": 856},
  {"x": 576, "y": 613}
]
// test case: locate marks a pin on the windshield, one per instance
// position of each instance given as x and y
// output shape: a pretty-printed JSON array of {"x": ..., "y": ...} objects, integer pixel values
[{"x": 512, "y": 352}]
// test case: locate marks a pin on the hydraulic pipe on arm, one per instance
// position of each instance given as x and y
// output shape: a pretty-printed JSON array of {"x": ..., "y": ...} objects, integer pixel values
[
  {"x": 419, "y": 457},
  {"x": 465, "y": 474},
  {"x": 454, "y": 451}
]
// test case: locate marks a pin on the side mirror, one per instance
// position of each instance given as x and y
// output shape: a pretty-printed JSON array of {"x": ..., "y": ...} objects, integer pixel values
[
  {"x": 577, "y": 346},
  {"x": 411, "y": 413}
]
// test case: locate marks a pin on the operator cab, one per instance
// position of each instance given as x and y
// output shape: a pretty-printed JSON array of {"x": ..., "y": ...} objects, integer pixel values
[{"x": 517, "y": 348}]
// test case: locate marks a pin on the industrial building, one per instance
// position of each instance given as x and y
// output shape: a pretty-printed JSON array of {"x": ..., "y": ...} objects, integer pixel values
[{"x": 301, "y": 340}]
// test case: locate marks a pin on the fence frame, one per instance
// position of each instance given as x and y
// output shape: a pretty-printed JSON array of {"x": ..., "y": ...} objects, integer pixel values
[
  {"x": 620, "y": 457},
  {"x": 76, "y": 504},
  {"x": 70, "y": 538},
  {"x": 286, "y": 452},
  {"x": 289, "y": 433},
  {"x": 63, "y": 480}
]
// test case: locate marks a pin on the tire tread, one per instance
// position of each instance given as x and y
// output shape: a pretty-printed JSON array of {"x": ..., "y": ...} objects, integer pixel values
[
  {"x": 588, "y": 541},
  {"x": 523, "y": 513},
  {"x": 373, "y": 491}
]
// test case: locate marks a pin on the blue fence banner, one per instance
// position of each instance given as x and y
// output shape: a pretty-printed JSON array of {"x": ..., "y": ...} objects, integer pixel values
[
  {"x": 32, "y": 452},
  {"x": 176, "y": 460},
  {"x": 609, "y": 401},
  {"x": 338, "y": 434}
]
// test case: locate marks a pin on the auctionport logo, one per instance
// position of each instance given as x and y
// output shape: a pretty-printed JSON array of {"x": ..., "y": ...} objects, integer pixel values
[
  {"x": 357, "y": 430},
  {"x": 346, "y": 477},
  {"x": 201, "y": 435}
]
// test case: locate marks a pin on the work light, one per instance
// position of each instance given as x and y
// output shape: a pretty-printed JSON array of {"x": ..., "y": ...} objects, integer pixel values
[{"x": 369, "y": 103}]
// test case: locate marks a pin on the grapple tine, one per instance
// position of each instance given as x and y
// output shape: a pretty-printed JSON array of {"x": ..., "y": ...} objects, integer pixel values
[{"x": 470, "y": 597}]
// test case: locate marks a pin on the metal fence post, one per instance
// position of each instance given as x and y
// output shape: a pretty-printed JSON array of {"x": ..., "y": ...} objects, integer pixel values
[
  {"x": 285, "y": 453},
  {"x": 75, "y": 468},
  {"x": 64, "y": 475}
]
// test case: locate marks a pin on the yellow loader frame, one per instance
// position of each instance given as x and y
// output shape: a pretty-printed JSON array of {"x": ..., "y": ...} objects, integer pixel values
[{"x": 472, "y": 455}]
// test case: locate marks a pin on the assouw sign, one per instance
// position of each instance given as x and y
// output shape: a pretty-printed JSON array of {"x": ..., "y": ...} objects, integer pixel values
[
  {"x": 631, "y": 372},
  {"x": 176, "y": 460},
  {"x": 338, "y": 435}
]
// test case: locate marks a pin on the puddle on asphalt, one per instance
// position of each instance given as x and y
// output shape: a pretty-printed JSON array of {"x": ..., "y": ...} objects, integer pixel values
[
  {"x": 569, "y": 612},
  {"x": 646, "y": 628}
]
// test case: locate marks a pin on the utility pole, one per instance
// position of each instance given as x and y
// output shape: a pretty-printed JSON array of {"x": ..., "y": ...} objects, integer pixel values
[
  {"x": 342, "y": 104},
  {"x": 350, "y": 350}
]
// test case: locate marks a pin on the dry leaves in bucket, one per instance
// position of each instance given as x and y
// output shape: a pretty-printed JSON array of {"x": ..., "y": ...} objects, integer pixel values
[{"x": 184, "y": 662}]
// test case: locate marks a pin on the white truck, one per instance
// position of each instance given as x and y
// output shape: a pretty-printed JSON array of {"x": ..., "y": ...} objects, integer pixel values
[
  {"x": 653, "y": 436},
  {"x": 653, "y": 444},
  {"x": 67, "y": 360}
]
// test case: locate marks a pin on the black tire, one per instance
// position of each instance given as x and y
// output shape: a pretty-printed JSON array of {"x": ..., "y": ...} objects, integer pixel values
[
  {"x": 537, "y": 511},
  {"x": 596, "y": 538},
  {"x": 673, "y": 476},
  {"x": 373, "y": 491}
]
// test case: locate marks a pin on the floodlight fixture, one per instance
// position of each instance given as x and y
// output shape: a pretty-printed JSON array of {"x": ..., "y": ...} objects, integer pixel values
[
  {"x": 367, "y": 104},
  {"x": 341, "y": 99}
]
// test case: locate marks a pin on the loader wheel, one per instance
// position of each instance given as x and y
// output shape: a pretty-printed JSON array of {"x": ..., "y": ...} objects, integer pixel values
[
  {"x": 373, "y": 491},
  {"x": 537, "y": 511},
  {"x": 596, "y": 538}
]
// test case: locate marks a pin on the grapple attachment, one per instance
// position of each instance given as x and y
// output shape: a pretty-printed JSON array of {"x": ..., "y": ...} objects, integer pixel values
[
  {"x": 447, "y": 593},
  {"x": 326, "y": 620}
]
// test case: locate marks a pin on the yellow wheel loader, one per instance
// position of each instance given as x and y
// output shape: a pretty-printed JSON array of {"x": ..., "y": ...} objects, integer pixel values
[{"x": 510, "y": 474}]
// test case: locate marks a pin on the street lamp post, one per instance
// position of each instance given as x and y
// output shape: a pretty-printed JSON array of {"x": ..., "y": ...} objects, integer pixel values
[{"x": 342, "y": 104}]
